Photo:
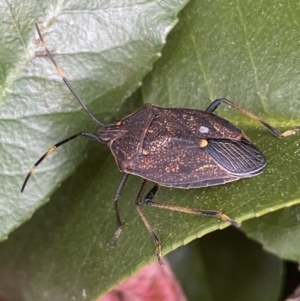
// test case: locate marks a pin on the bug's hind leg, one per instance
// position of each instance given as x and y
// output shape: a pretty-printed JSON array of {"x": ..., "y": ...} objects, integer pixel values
[
  {"x": 212, "y": 213},
  {"x": 214, "y": 105}
]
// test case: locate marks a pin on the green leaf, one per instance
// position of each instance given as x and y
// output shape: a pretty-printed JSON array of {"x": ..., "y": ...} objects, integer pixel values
[
  {"x": 246, "y": 52},
  {"x": 278, "y": 232},
  {"x": 225, "y": 265}
]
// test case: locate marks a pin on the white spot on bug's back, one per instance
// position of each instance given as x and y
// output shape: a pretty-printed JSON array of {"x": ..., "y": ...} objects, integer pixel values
[{"x": 203, "y": 129}]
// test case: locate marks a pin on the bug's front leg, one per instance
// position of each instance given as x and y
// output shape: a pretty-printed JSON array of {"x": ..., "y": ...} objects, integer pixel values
[{"x": 120, "y": 225}]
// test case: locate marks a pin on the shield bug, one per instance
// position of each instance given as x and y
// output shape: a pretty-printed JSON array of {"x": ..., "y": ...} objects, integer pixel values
[{"x": 175, "y": 147}]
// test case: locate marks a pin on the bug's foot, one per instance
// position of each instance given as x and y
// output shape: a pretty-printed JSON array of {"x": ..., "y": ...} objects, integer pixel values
[
  {"x": 158, "y": 254},
  {"x": 226, "y": 218},
  {"x": 290, "y": 132},
  {"x": 116, "y": 235}
]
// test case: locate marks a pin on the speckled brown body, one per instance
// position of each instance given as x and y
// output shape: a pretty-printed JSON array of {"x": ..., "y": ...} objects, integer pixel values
[{"x": 181, "y": 148}]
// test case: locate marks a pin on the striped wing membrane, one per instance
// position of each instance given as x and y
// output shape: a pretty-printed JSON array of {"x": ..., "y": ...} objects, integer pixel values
[{"x": 240, "y": 158}]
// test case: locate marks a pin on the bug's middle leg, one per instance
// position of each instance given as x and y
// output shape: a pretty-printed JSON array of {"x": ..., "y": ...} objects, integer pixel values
[
  {"x": 155, "y": 238},
  {"x": 212, "y": 213}
]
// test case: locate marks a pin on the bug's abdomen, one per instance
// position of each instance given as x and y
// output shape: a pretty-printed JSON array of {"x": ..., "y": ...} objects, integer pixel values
[{"x": 197, "y": 167}]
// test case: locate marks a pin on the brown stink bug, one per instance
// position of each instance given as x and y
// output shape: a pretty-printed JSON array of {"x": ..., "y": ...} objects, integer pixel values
[{"x": 181, "y": 148}]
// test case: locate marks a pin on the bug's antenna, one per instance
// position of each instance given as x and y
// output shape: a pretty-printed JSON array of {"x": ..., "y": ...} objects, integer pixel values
[
  {"x": 61, "y": 73},
  {"x": 52, "y": 149}
]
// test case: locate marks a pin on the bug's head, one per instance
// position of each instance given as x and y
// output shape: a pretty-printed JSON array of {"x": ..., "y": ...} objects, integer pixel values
[{"x": 111, "y": 132}]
